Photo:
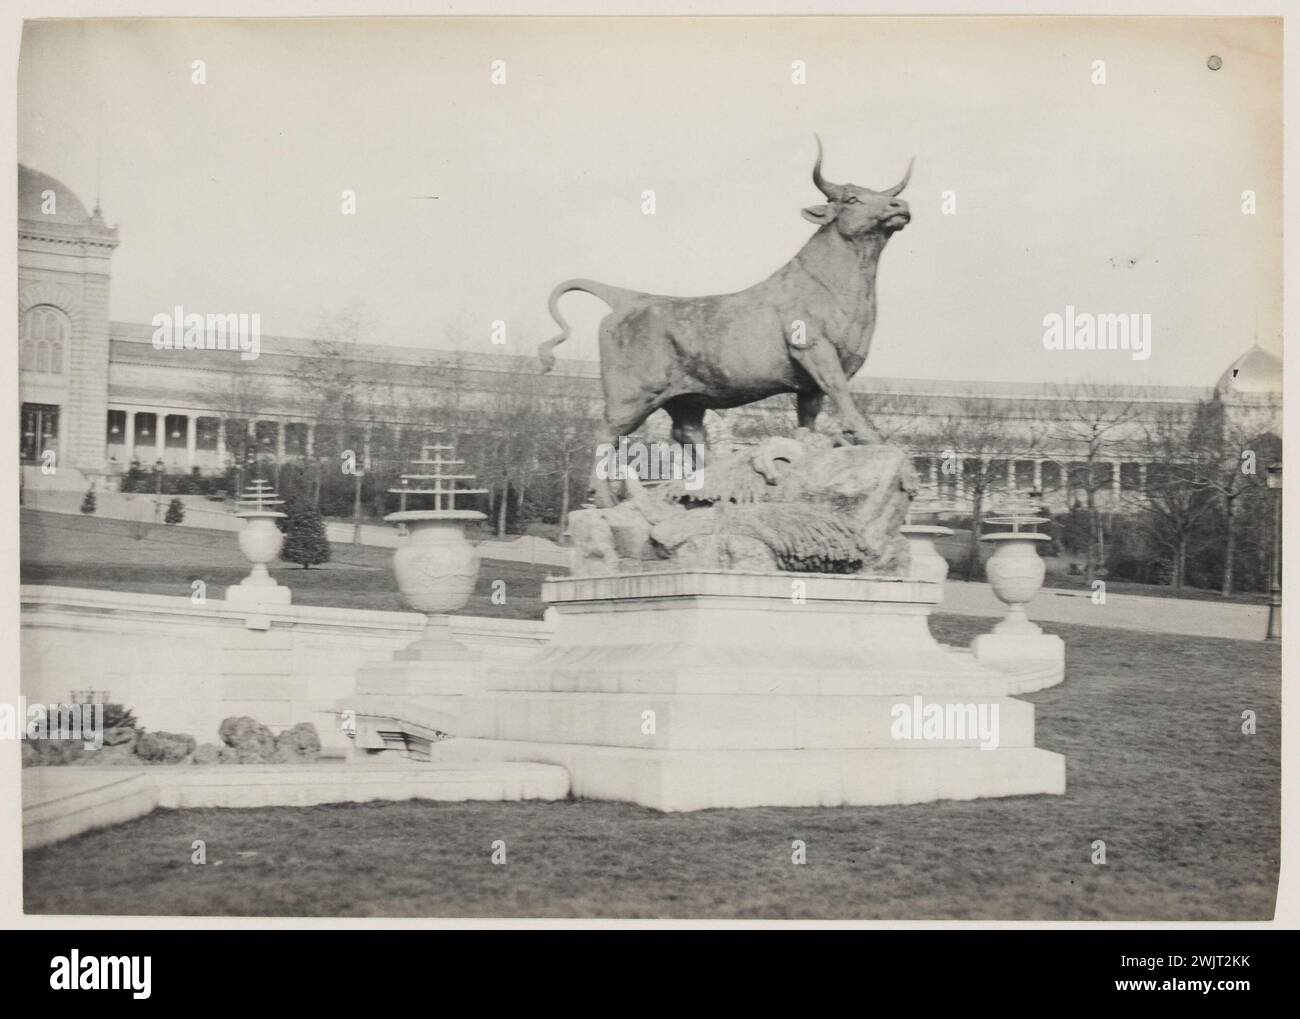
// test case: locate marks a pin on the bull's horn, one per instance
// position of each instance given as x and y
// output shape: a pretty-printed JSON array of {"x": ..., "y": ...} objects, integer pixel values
[
  {"x": 832, "y": 191},
  {"x": 898, "y": 188}
]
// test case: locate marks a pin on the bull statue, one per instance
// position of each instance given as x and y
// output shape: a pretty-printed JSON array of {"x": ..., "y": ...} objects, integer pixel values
[{"x": 806, "y": 329}]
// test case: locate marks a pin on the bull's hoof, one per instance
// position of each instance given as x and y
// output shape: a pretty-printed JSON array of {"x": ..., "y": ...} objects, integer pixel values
[
  {"x": 866, "y": 438},
  {"x": 602, "y": 495}
]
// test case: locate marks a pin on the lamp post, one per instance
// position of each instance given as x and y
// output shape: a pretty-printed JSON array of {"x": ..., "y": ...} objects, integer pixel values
[
  {"x": 357, "y": 475},
  {"x": 158, "y": 468},
  {"x": 1274, "y": 481},
  {"x": 268, "y": 452}
]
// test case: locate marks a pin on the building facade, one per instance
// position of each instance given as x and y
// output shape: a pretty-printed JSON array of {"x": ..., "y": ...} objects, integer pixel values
[{"x": 98, "y": 395}]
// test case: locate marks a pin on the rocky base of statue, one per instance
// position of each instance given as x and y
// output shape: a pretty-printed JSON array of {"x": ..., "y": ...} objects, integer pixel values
[{"x": 798, "y": 505}]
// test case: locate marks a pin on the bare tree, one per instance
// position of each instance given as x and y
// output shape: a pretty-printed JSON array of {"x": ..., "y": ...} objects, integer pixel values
[
  {"x": 1234, "y": 450},
  {"x": 980, "y": 439},
  {"x": 509, "y": 446},
  {"x": 566, "y": 433},
  {"x": 439, "y": 400},
  {"x": 1177, "y": 497},
  {"x": 334, "y": 386},
  {"x": 1089, "y": 424},
  {"x": 892, "y": 412},
  {"x": 238, "y": 396},
  {"x": 239, "y": 393}
]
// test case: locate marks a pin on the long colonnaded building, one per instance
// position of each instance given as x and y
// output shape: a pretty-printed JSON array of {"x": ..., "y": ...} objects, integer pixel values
[{"x": 97, "y": 395}]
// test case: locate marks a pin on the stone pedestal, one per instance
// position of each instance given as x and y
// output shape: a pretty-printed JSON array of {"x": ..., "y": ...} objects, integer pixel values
[
  {"x": 411, "y": 701},
  {"x": 436, "y": 644},
  {"x": 258, "y": 588},
  {"x": 997, "y": 648},
  {"x": 1016, "y": 573},
  {"x": 260, "y": 540},
  {"x": 436, "y": 663},
  {"x": 926, "y": 562},
  {"x": 690, "y": 690}
]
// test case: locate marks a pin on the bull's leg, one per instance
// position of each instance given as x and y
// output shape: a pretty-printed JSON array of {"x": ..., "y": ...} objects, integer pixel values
[
  {"x": 600, "y": 490},
  {"x": 606, "y": 491},
  {"x": 822, "y": 364},
  {"x": 807, "y": 406},
  {"x": 688, "y": 423},
  {"x": 690, "y": 434}
]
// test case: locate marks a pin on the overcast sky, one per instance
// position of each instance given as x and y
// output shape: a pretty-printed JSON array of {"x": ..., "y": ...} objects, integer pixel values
[{"x": 1122, "y": 197}]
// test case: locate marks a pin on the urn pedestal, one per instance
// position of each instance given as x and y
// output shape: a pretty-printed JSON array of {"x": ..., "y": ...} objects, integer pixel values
[
  {"x": 260, "y": 541},
  {"x": 927, "y": 563},
  {"x": 1015, "y": 572},
  {"x": 436, "y": 571}
]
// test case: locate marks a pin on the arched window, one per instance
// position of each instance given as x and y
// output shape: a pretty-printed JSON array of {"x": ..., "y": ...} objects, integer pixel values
[{"x": 45, "y": 335}]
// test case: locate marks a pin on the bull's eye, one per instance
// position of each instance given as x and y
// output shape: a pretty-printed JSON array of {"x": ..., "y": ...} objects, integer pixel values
[{"x": 852, "y": 200}]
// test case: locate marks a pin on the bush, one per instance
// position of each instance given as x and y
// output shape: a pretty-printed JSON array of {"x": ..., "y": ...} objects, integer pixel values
[
  {"x": 118, "y": 717},
  {"x": 304, "y": 536},
  {"x": 164, "y": 747},
  {"x": 175, "y": 512},
  {"x": 45, "y": 753},
  {"x": 88, "y": 501},
  {"x": 134, "y": 479}
]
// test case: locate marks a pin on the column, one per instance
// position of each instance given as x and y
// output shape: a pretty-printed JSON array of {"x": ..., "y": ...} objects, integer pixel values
[
  {"x": 1115, "y": 478},
  {"x": 221, "y": 443},
  {"x": 129, "y": 450},
  {"x": 365, "y": 449},
  {"x": 309, "y": 447},
  {"x": 1011, "y": 475},
  {"x": 961, "y": 479},
  {"x": 160, "y": 433},
  {"x": 279, "y": 440},
  {"x": 191, "y": 440},
  {"x": 1038, "y": 475}
]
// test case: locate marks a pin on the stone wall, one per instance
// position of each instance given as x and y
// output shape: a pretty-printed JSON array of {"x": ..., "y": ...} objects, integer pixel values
[{"x": 183, "y": 666}]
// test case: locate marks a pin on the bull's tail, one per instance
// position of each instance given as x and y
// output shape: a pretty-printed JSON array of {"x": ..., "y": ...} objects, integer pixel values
[{"x": 615, "y": 297}]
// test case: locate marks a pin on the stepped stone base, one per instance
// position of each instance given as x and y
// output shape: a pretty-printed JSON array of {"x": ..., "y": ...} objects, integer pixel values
[
  {"x": 996, "y": 648},
  {"x": 691, "y": 690},
  {"x": 245, "y": 594},
  {"x": 703, "y": 779},
  {"x": 61, "y": 802}
]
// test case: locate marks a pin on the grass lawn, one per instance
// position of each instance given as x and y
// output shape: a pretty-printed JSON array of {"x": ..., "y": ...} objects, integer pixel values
[
  {"x": 117, "y": 555},
  {"x": 1150, "y": 725}
]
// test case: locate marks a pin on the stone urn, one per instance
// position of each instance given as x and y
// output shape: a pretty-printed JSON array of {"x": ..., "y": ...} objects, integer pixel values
[
  {"x": 436, "y": 570},
  {"x": 260, "y": 540},
  {"x": 927, "y": 563},
  {"x": 1015, "y": 572}
]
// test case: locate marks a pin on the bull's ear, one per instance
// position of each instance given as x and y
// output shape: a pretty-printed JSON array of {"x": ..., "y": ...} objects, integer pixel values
[{"x": 820, "y": 214}]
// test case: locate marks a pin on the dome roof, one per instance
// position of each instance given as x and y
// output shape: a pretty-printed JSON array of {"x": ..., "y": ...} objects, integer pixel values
[
  {"x": 1256, "y": 371},
  {"x": 31, "y": 186}
]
